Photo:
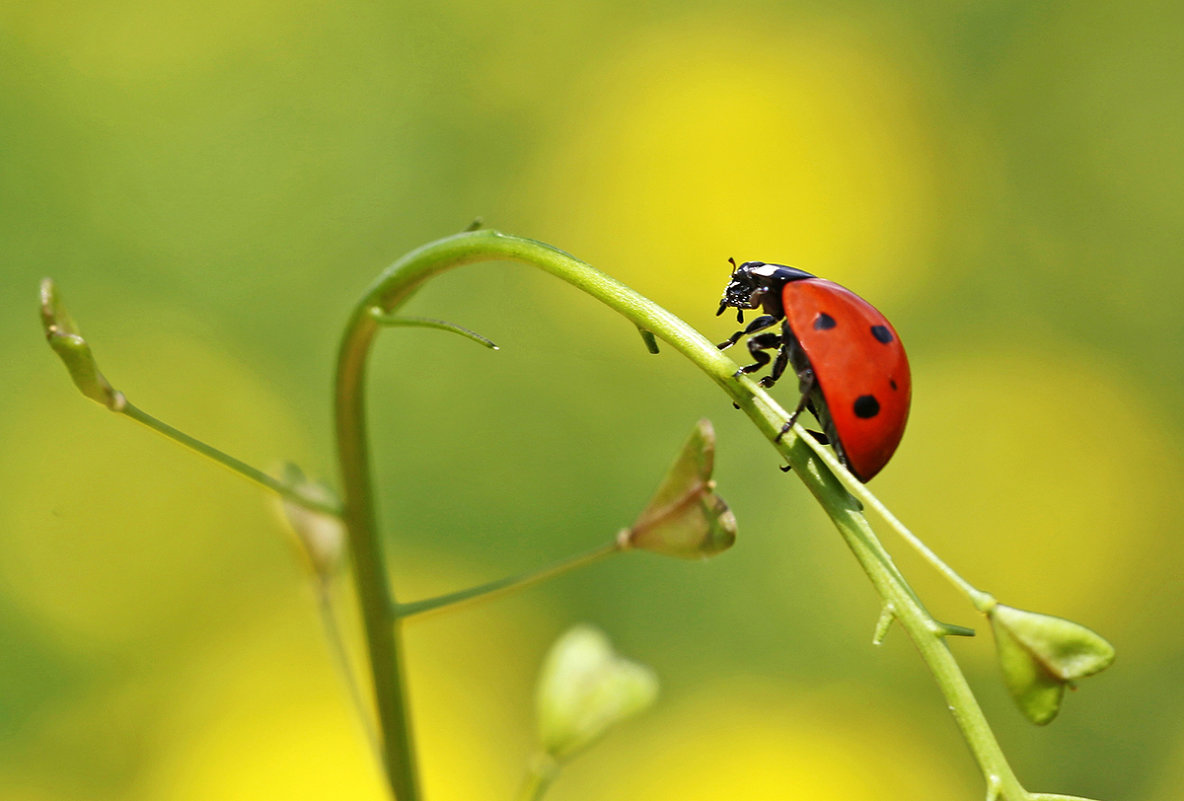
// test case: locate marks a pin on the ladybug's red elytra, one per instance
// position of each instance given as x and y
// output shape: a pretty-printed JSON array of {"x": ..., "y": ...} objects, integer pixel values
[{"x": 851, "y": 368}]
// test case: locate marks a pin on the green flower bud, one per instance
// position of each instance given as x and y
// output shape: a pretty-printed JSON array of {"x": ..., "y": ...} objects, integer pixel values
[
  {"x": 585, "y": 688},
  {"x": 320, "y": 536},
  {"x": 66, "y": 341},
  {"x": 685, "y": 518},
  {"x": 1040, "y": 655}
]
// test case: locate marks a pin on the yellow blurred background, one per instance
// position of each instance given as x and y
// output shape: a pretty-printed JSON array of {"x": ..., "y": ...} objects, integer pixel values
[{"x": 212, "y": 185}]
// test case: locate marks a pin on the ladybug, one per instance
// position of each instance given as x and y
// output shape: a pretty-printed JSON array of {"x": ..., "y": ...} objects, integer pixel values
[{"x": 852, "y": 370}]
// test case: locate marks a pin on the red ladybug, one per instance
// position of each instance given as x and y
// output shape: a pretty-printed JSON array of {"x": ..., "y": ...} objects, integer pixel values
[{"x": 851, "y": 368}]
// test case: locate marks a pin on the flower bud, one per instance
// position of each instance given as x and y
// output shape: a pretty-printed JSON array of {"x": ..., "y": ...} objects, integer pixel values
[
  {"x": 685, "y": 518},
  {"x": 321, "y": 536},
  {"x": 66, "y": 341},
  {"x": 584, "y": 688},
  {"x": 1040, "y": 655}
]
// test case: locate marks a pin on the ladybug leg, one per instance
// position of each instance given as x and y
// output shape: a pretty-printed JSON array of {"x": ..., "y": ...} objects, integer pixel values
[
  {"x": 807, "y": 388},
  {"x": 757, "y": 346},
  {"x": 778, "y": 366},
  {"x": 822, "y": 439},
  {"x": 762, "y": 322}
]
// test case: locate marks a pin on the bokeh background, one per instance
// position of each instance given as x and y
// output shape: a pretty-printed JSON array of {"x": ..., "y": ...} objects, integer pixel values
[{"x": 213, "y": 183}]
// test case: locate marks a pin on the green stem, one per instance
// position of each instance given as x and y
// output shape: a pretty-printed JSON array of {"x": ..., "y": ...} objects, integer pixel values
[
  {"x": 397, "y": 284},
  {"x": 383, "y": 633},
  {"x": 506, "y": 585},
  {"x": 925, "y": 633},
  {"x": 982, "y": 601},
  {"x": 324, "y": 591},
  {"x": 225, "y": 459},
  {"x": 390, "y": 321},
  {"x": 541, "y": 773}
]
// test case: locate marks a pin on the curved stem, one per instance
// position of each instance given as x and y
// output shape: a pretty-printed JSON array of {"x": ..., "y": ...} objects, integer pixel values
[
  {"x": 391, "y": 321},
  {"x": 817, "y": 472},
  {"x": 383, "y": 633}
]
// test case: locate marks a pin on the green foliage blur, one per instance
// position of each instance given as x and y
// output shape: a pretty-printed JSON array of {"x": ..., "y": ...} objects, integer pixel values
[{"x": 212, "y": 185}]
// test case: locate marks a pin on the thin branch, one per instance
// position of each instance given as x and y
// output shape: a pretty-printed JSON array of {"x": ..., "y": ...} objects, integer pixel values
[
  {"x": 503, "y": 586},
  {"x": 226, "y": 460}
]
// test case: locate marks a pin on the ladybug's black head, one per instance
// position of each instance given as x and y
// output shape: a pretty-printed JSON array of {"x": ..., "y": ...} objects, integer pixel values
[{"x": 755, "y": 284}]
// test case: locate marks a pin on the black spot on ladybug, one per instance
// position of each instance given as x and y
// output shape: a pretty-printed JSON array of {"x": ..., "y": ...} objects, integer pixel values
[
  {"x": 823, "y": 322},
  {"x": 891, "y": 383},
  {"x": 866, "y": 406},
  {"x": 881, "y": 333}
]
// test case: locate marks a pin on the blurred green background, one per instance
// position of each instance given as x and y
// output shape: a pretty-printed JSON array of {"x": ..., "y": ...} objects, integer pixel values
[{"x": 213, "y": 183}]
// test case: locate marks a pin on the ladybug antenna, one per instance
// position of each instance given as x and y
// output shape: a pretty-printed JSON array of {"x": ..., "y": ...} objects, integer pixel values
[{"x": 733, "y": 261}]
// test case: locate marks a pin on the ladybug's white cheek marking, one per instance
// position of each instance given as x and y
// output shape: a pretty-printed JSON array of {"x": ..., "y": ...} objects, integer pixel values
[{"x": 764, "y": 271}]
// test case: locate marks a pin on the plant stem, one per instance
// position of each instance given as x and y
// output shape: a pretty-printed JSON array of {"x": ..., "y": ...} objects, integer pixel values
[
  {"x": 982, "y": 601},
  {"x": 225, "y": 459},
  {"x": 375, "y": 597},
  {"x": 541, "y": 772},
  {"x": 454, "y": 600},
  {"x": 382, "y": 631},
  {"x": 925, "y": 634},
  {"x": 397, "y": 284},
  {"x": 392, "y": 321},
  {"x": 324, "y": 592}
]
